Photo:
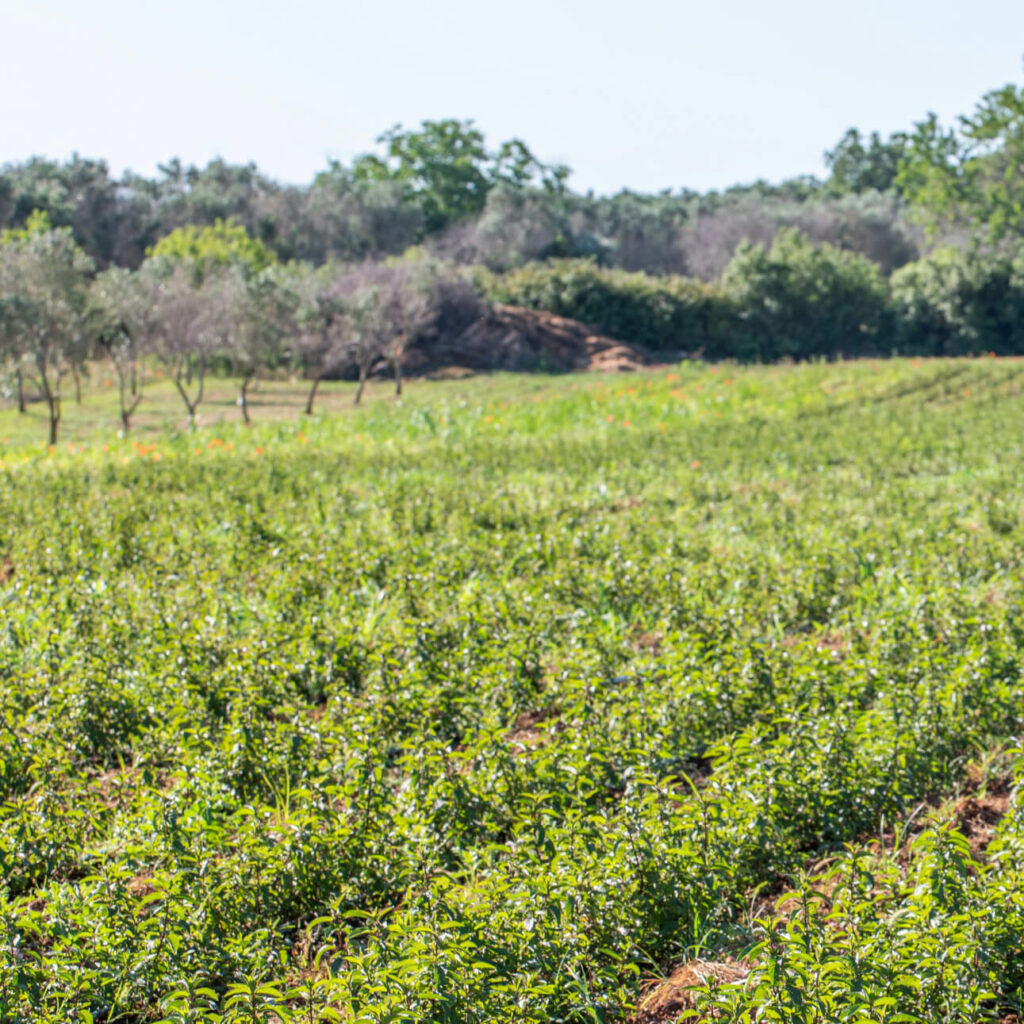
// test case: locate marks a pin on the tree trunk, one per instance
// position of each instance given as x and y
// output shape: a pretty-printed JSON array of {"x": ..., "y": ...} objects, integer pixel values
[
  {"x": 312, "y": 396},
  {"x": 191, "y": 404},
  {"x": 76, "y": 373},
  {"x": 396, "y": 365},
  {"x": 52, "y": 404},
  {"x": 243, "y": 399},
  {"x": 125, "y": 414},
  {"x": 126, "y": 382},
  {"x": 363, "y": 371},
  {"x": 21, "y": 390}
]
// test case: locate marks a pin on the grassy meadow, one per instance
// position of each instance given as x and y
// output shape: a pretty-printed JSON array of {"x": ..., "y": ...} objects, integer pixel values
[{"x": 689, "y": 694}]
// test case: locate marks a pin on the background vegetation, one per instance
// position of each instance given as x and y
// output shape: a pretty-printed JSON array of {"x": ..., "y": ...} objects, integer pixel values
[{"x": 911, "y": 245}]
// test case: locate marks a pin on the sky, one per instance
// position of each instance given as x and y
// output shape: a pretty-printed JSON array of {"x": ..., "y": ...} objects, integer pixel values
[{"x": 642, "y": 94}]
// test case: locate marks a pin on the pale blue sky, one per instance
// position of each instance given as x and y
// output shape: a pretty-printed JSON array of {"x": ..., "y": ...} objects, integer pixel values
[{"x": 643, "y": 94}]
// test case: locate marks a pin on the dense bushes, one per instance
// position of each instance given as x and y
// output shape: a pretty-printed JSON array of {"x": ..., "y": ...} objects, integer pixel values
[
  {"x": 798, "y": 299},
  {"x": 658, "y": 312},
  {"x": 794, "y": 299},
  {"x": 955, "y": 302}
]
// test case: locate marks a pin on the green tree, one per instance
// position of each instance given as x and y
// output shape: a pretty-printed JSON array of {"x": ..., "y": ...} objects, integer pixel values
[
  {"x": 258, "y": 312},
  {"x": 970, "y": 176},
  {"x": 859, "y": 165},
  {"x": 798, "y": 299},
  {"x": 956, "y": 302},
  {"x": 225, "y": 244},
  {"x": 447, "y": 168},
  {"x": 44, "y": 280},
  {"x": 123, "y": 320}
]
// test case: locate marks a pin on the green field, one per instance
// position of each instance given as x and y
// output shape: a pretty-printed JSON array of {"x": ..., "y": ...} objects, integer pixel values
[{"x": 507, "y": 701}]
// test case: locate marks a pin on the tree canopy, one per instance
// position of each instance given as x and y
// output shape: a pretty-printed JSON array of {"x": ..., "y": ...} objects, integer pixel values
[
  {"x": 224, "y": 244},
  {"x": 446, "y": 166},
  {"x": 970, "y": 176}
]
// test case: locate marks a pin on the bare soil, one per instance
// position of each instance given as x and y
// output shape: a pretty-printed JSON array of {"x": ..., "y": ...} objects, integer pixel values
[
  {"x": 519, "y": 339},
  {"x": 667, "y": 1000}
]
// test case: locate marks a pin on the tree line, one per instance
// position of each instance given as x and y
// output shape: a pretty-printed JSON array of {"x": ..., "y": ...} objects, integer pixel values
[
  {"x": 440, "y": 186},
  {"x": 912, "y": 245}
]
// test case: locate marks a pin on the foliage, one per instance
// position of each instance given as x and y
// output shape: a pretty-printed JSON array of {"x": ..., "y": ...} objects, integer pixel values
[
  {"x": 658, "y": 312},
  {"x": 798, "y": 299},
  {"x": 860, "y": 167},
  {"x": 43, "y": 296},
  {"x": 446, "y": 168},
  {"x": 225, "y": 244},
  {"x": 969, "y": 176},
  {"x": 37, "y": 223},
  {"x": 956, "y": 302},
  {"x": 440, "y": 183},
  {"x": 125, "y": 327},
  {"x": 479, "y": 708}
]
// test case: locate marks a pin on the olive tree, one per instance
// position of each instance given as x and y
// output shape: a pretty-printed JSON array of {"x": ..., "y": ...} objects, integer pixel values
[
  {"x": 124, "y": 322},
  {"x": 256, "y": 311},
  {"x": 321, "y": 327},
  {"x": 386, "y": 305},
  {"x": 190, "y": 326},
  {"x": 43, "y": 297}
]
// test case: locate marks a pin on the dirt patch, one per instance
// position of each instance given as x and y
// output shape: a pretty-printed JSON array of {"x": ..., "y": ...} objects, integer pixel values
[
  {"x": 515, "y": 338},
  {"x": 978, "y": 817},
  {"x": 668, "y": 999},
  {"x": 624, "y": 504},
  {"x": 6, "y": 569},
  {"x": 141, "y": 885},
  {"x": 833, "y": 641},
  {"x": 451, "y": 373},
  {"x": 527, "y": 731},
  {"x": 647, "y": 641}
]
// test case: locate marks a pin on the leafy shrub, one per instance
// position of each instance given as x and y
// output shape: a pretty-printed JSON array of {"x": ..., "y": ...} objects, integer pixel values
[
  {"x": 798, "y": 300},
  {"x": 657, "y": 312},
  {"x": 954, "y": 302}
]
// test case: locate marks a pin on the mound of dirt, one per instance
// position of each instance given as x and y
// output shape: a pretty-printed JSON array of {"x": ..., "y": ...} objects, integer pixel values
[
  {"x": 514, "y": 338},
  {"x": 667, "y": 1001}
]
